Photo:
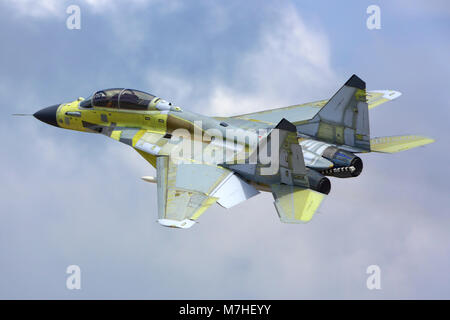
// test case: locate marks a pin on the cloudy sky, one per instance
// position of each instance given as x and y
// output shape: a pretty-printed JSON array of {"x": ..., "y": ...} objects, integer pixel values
[{"x": 74, "y": 198}]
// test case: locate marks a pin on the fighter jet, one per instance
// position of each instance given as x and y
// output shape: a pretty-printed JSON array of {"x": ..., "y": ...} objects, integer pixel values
[{"x": 203, "y": 160}]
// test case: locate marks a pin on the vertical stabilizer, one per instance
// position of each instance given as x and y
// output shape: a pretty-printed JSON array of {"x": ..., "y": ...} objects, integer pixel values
[
  {"x": 278, "y": 159},
  {"x": 344, "y": 120}
]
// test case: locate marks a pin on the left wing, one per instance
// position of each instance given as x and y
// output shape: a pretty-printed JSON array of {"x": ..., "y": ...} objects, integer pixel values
[
  {"x": 187, "y": 187},
  {"x": 186, "y": 190},
  {"x": 181, "y": 200}
]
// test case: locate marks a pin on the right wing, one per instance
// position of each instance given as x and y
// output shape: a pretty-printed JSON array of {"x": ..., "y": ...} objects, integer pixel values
[{"x": 306, "y": 111}]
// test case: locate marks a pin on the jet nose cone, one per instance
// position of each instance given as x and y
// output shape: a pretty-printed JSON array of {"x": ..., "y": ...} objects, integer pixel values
[{"x": 48, "y": 115}]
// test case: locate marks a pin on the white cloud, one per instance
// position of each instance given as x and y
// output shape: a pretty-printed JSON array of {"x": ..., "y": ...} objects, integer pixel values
[
  {"x": 57, "y": 8},
  {"x": 38, "y": 9},
  {"x": 169, "y": 85},
  {"x": 288, "y": 64},
  {"x": 105, "y": 6},
  {"x": 422, "y": 8}
]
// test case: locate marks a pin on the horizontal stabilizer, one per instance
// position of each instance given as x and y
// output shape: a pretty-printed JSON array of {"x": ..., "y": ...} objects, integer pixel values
[
  {"x": 377, "y": 97},
  {"x": 398, "y": 143},
  {"x": 295, "y": 204}
]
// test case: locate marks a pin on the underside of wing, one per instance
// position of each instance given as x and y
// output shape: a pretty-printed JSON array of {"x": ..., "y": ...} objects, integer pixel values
[
  {"x": 398, "y": 143},
  {"x": 180, "y": 202},
  {"x": 306, "y": 111},
  {"x": 186, "y": 190},
  {"x": 186, "y": 184}
]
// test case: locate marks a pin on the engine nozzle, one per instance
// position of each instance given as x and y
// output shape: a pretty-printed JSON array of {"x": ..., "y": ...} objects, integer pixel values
[
  {"x": 318, "y": 182},
  {"x": 346, "y": 164}
]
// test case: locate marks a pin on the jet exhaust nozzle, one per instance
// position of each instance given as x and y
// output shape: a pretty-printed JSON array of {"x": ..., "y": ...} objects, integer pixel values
[
  {"x": 346, "y": 164},
  {"x": 318, "y": 182}
]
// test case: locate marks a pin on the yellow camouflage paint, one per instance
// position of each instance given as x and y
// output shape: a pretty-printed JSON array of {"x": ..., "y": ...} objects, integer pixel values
[
  {"x": 373, "y": 99},
  {"x": 137, "y": 136},
  {"x": 296, "y": 204},
  {"x": 360, "y": 95},
  {"x": 71, "y": 116},
  {"x": 398, "y": 143},
  {"x": 205, "y": 205},
  {"x": 116, "y": 134},
  {"x": 376, "y": 98},
  {"x": 67, "y": 121},
  {"x": 184, "y": 193},
  {"x": 150, "y": 158},
  {"x": 151, "y": 120},
  {"x": 326, "y": 132}
]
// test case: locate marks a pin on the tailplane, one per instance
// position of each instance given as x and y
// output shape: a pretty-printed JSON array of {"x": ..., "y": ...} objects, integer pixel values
[
  {"x": 295, "y": 204},
  {"x": 398, "y": 143}
]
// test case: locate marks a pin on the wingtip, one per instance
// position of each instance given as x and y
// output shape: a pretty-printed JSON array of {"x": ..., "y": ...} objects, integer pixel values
[{"x": 182, "y": 224}]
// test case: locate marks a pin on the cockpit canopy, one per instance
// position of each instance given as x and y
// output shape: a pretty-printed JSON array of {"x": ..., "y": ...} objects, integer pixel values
[{"x": 119, "y": 98}]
